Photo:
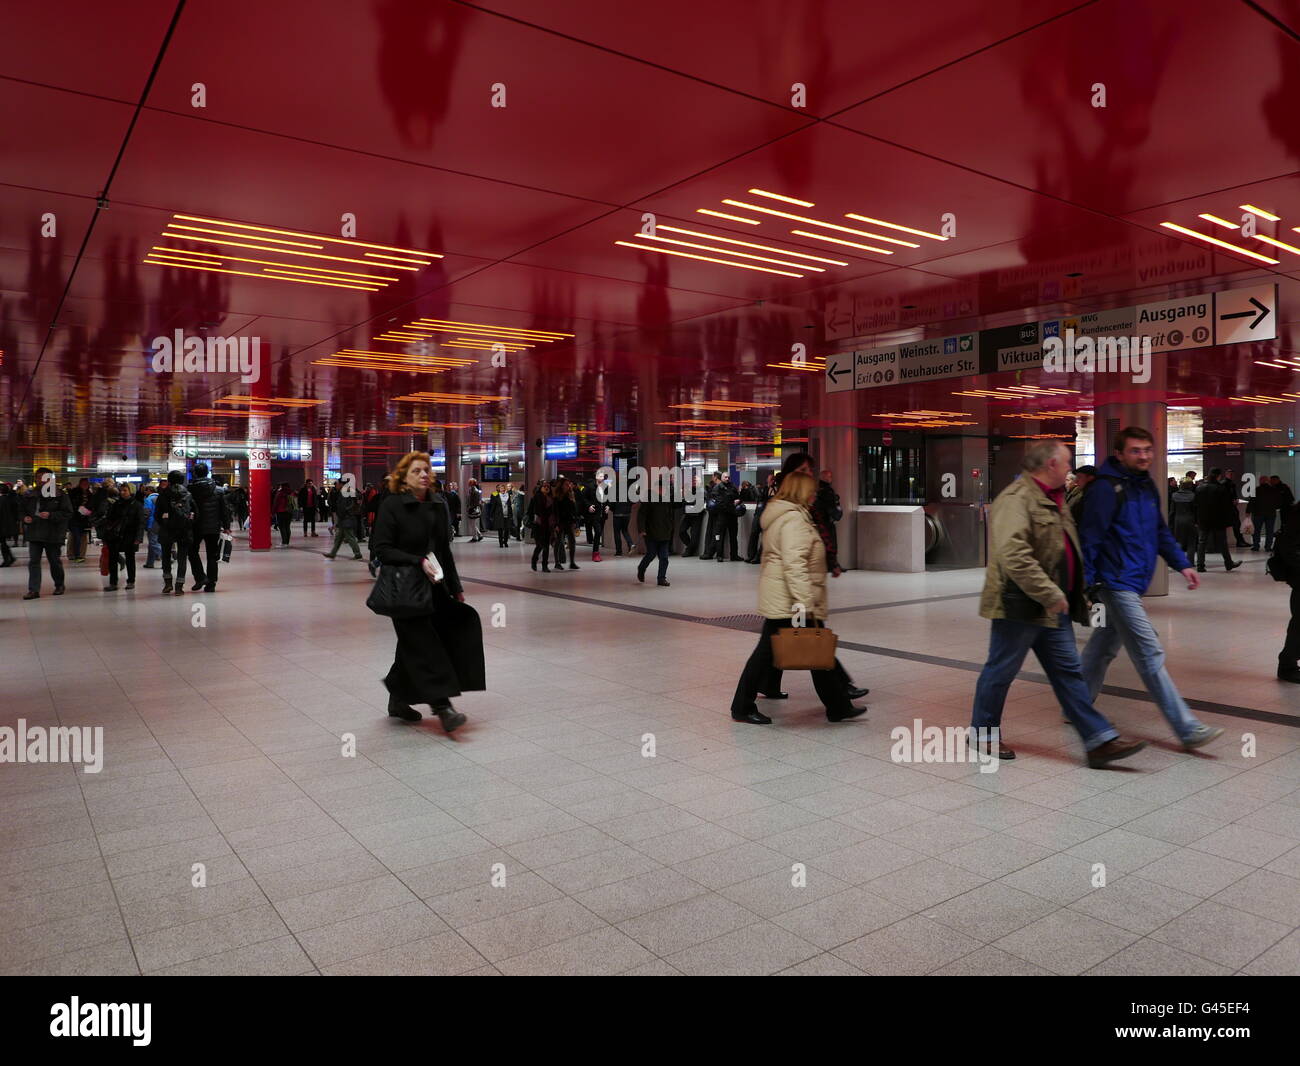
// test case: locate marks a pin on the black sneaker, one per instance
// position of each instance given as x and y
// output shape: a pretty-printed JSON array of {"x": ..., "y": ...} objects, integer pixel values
[
  {"x": 1289, "y": 673},
  {"x": 398, "y": 709},
  {"x": 640, "y": 575},
  {"x": 664, "y": 583},
  {"x": 450, "y": 718},
  {"x": 196, "y": 586},
  {"x": 58, "y": 590}
]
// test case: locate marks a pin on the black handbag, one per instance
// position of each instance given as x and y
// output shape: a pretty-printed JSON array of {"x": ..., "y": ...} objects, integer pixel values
[{"x": 401, "y": 591}]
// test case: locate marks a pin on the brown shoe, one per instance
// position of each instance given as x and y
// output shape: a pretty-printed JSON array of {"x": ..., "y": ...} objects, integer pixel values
[{"x": 1119, "y": 748}]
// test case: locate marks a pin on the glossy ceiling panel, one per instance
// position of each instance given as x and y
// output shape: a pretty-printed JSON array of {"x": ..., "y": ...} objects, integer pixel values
[
  {"x": 414, "y": 80},
  {"x": 58, "y": 141},
  {"x": 843, "y": 50},
  {"x": 1199, "y": 95}
]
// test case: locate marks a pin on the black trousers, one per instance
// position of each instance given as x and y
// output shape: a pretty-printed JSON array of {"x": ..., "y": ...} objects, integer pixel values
[
  {"x": 41, "y": 549},
  {"x": 542, "y": 550},
  {"x": 1290, "y": 653},
  {"x": 761, "y": 675},
  {"x": 118, "y": 550},
  {"x": 212, "y": 545},
  {"x": 284, "y": 520},
  {"x": 308, "y": 519},
  {"x": 1213, "y": 540},
  {"x": 692, "y": 524},
  {"x": 182, "y": 548},
  {"x": 621, "y": 534},
  {"x": 727, "y": 527}
]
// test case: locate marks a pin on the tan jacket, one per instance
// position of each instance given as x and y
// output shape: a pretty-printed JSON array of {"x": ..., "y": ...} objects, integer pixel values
[
  {"x": 794, "y": 563},
  {"x": 1027, "y": 545}
]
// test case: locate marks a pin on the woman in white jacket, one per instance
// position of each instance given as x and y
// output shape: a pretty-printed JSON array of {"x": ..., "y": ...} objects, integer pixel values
[{"x": 793, "y": 578}]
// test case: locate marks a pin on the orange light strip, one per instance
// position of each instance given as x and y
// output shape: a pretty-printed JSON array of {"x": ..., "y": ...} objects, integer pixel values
[
  {"x": 439, "y": 323},
  {"x": 895, "y": 225},
  {"x": 723, "y": 214},
  {"x": 719, "y": 405},
  {"x": 1278, "y": 244},
  {"x": 255, "y": 274},
  {"x": 449, "y": 360},
  {"x": 1219, "y": 221},
  {"x": 824, "y": 225},
  {"x": 282, "y": 251},
  {"x": 328, "y": 272},
  {"x": 798, "y": 366},
  {"x": 778, "y": 196},
  {"x": 1261, "y": 212},
  {"x": 728, "y": 251},
  {"x": 281, "y": 402},
  {"x": 751, "y": 244},
  {"x": 837, "y": 240},
  {"x": 224, "y": 233},
  {"x": 314, "y": 236},
  {"x": 1221, "y": 244},
  {"x": 706, "y": 258}
]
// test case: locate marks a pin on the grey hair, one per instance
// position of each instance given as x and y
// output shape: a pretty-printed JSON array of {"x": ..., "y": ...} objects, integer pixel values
[{"x": 1038, "y": 455}]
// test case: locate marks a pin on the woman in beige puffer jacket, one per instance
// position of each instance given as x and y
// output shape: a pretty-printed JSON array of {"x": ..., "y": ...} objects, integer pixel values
[{"x": 793, "y": 576}]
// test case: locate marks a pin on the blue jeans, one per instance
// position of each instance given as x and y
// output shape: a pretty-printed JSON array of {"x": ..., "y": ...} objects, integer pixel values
[
  {"x": 1127, "y": 624},
  {"x": 1009, "y": 643},
  {"x": 155, "y": 549},
  {"x": 655, "y": 548},
  {"x": 1264, "y": 524}
]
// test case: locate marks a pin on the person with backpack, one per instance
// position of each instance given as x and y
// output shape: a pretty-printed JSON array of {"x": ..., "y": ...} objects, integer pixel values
[
  {"x": 347, "y": 517},
  {"x": 174, "y": 516},
  {"x": 211, "y": 519},
  {"x": 1123, "y": 535}
]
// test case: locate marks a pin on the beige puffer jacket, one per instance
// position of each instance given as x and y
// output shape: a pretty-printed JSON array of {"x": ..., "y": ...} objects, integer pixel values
[{"x": 794, "y": 563}]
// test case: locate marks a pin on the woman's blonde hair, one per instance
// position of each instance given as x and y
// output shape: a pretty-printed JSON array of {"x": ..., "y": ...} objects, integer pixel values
[
  {"x": 797, "y": 488},
  {"x": 397, "y": 479}
]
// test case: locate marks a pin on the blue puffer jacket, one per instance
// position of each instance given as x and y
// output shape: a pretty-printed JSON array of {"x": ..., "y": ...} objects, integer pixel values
[{"x": 1123, "y": 531}]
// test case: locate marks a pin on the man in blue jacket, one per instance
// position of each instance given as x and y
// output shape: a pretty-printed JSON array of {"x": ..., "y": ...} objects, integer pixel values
[{"x": 1123, "y": 532}]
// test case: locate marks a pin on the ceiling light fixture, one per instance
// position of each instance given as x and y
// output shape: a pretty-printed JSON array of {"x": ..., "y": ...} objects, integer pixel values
[
  {"x": 818, "y": 222},
  {"x": 728, "y": 251},
  {"x": 751, "y": 244},
  {"x": 706, "y": 258},
  {"x": 778, "y": 196},
  {"x": 894, "y": 225},
  {"x": 1219, "y": 221},
  {"x": 1278, "y": 244},
  {"x": 1221, "y": 244},
  {"x": 723, "y": 214},
  {"x": 1261, "y": 212},
  {"x": 837, "y": 240}
]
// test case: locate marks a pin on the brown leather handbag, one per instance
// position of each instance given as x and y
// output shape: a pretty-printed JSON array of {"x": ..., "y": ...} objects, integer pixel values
[{"x": 804, "y": 648}]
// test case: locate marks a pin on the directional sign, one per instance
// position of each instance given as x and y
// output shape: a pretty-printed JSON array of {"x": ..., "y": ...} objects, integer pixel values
[
  {"x": 1245, "y": 314},
  {"x": 839, "y": 372},
  {"x": 1173, "y": 325},
  {"x": 839, "y": 318}
]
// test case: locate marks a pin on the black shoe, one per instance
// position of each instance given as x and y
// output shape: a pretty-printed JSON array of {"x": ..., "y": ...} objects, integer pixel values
[
  {"x": 1241, "y": 544},
  {"x": 31, "y": 595},
  {"x": 167, "y": 589},
  {"x": 450, "y": 718},
  {"x": 196, "y": 586},
  {"x": 130, "y": 585},
  {"x": 1289, "y": 673},
  {"x": 858, "y": 693},
  {"x": 574, "y": 566},
  {"x": 1230, "y": 567},
  {"x": 665, "y": 583},
  {"x": 546, "y": 569},
  {"x": 640, "y": 575},
  {"x": 180, "y": 589},
  {"x": 110, "y": 588},
  {"x": 1254, "y": 547},
  {"x": 1119, "y": 748},
  {"x": 534, "y": 567},
  {"x": 356, "y": 558},
  {"x": 775, "y": 696},
  {"x": 1200, "y": 569},
  {"x": 58, "y": 590},
  {"x": 209, "y": 588},
  {"x": 753, "y": 716},
  {"x": 327, "y": 555},
  {"x": 852, "y": 712},
  {"x": 618, "y": 555},
  {"x": 398, "y": 709}
]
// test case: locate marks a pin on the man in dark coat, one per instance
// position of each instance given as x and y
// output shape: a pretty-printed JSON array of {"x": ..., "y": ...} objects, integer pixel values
[
  {"x": 47, "y": 512},
  {"x": 1214, "y": 507},
  {"x": 211, "y": 519}
]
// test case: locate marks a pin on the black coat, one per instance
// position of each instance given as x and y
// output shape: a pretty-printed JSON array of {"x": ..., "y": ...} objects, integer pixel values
[
  {"x": 211, "y": 507},
  {"x": 9, "y": 514},
  {"x": 1213, "y": 506},
  {"x": 541, "y": 513},
  {"x": 50, "y": 530},
  {"x": 123, "y": 521},
  {"x": 407, "y": 529},
  {"x": 655, "y": 520},
  {"x": 173, "y": 514}
]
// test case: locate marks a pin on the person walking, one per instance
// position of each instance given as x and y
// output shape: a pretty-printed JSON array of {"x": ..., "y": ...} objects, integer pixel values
[
  {"x": 1233, "y": 493},
  {"x": 307, "y": 504},
  {"x": 1213, "y": 508},
  {"x": 622, "y": 518},
  {"x": 79, "y": 497},
  {"x": 174, "y": 516},
  {"x": 9, "y": 524},
  {"x": 1083, "y": 476},
  {"x": 282, "y": 511},
  {"x": 655, "y": 521},
  {"x": 1182, "y": 516},
  {"x": 149, "y": 502},
  {"x": 1286, "y": 558},
  {"x": 597, "y": 497},
  {"x": 499, "y": 516},
  {"x": 452, "y": 496},
  {"x": 211, "y": 520},
  {"x": 711, "y": 516},
  {"x": 1123, "y": 535},
  {"x": 1263, "y": 513},
  {"x": 346, "y": 509},
  {"x": 1033, "y": 591},
  {"x": 792, "y": 584},
  {"x": 763, "y": 494},
  {"x": 566, "y": 524},
  {"x": 726, "y": 520},
  {"x": 439, "y": 655},
  {"x": 122, "y": 528},
  {"x": 46, "y": 514},
  {"x": 541, "y": 512},
  {"x": 473, "y": 510}
]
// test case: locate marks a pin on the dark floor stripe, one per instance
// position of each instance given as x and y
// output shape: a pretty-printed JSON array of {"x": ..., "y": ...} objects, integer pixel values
[
  {"x": 1210, "y": 707},
  {"x": 906, "y": 603}
]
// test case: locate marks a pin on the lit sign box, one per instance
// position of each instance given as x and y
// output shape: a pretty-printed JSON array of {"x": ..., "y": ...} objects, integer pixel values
[{"x": 561, "y": 448}]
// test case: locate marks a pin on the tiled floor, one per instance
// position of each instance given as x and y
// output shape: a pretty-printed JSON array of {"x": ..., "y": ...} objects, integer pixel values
[{"x": 544, "y": 838}]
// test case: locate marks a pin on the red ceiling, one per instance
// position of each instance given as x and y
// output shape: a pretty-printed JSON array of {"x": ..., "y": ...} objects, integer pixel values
[{"x": 612, "y": 111}]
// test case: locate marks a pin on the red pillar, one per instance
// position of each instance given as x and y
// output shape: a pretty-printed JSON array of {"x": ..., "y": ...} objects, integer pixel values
[{"x": 259, "y": 460}]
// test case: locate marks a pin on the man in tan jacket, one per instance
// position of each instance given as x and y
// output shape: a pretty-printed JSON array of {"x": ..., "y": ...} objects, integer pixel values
[{"x": 1033, "y": 589}]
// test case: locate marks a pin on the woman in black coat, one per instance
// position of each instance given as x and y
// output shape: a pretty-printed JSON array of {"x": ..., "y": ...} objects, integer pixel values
[
  {"x": 541, "y": 515},
  {"x": 122, "y": 530},
  {"x": 8, "y": 521},
  {"x": 439, "y": 655}
]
